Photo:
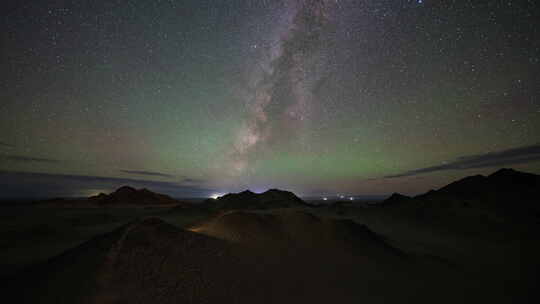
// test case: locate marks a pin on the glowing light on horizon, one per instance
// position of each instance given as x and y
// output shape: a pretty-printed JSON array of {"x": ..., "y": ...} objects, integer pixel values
[
  {"x": 93, "y": 192},
  {"x": 216, "y": 195}
]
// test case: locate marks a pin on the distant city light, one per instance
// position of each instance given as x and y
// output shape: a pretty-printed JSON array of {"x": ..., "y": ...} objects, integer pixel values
[
  {"x": 351, "y": 198},
  {"x": 341, "y": 196},
  {"x": 216, "y": 195},
  {"x": 325, "y": 198},
  {"x": 93, "y": 192}
]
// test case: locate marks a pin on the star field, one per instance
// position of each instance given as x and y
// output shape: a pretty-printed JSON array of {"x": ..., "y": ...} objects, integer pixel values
[{"x": 316, "y": 96}]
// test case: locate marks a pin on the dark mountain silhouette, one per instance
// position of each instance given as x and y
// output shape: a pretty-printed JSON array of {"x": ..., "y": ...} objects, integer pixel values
[
  {"x": 396, "y": 198},
  {"x": 272, "y": 198},
  {"x": 465, "y": 187},
  {"x": 504, "y": 184},
  {"x": 504, "y": 196},
  {"x": 506, "y": 189},
  {"x": 131, "y": 196},
  {"x": 123, "y": 196}
]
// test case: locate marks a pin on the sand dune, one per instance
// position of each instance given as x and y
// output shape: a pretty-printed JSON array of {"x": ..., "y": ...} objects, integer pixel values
[
  {"x": 150, "y": 261},
  {"x": 147, "y": 261},
  {"x": 298, "y": 230}
]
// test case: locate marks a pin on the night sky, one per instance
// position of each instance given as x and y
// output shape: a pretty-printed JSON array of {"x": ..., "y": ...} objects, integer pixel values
[{"x": 320, "y": 97}]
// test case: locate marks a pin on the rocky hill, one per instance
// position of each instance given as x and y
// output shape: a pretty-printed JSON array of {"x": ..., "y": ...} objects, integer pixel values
[
  {"x": 130, "y": 196},
  {"x": 270, "y": 199},
  {"x": 506, "y": 195},
  {"x": 124, "y": 196}
]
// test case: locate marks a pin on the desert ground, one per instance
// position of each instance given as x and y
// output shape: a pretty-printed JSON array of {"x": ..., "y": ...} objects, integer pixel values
[{"x": 447, "y": 251}]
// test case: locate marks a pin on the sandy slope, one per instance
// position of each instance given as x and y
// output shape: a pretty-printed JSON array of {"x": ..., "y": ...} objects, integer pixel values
[{"x": 288, "y": 257}]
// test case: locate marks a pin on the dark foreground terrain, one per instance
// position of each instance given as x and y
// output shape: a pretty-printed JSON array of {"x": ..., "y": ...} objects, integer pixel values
[{"x": 474, "y": 241}]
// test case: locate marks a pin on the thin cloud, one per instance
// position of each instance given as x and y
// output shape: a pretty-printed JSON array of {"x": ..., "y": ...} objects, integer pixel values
[
  {"x": 24, "y": 159},
  {"x": 42, "y": 185},
  {"x": 147, "y": 173},
  {"x": 514, "y": 156},
  {"x": 192, "y": 181}
]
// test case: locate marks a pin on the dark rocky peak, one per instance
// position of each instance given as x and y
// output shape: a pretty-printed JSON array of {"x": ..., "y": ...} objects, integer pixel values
[
  {"x": 512, "y": 178},
  {"x": 130, "y": 195},
  {"x": 124, "y": 190},
  {"x": 246, "y": 193},
  {"x": 504, "y": 183},
  {"x": 506, "y": 172},
  {"x": 273, "y": 198},
  {"x": 279, "y": 194},
  {"x": 466, "y": 186},
  {"x": 396, "y": 198}
]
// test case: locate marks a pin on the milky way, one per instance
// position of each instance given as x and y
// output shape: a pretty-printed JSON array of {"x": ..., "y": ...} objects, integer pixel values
[
  {"x": 280, "y": 96},
  {"x": 320, "y": 97}
]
